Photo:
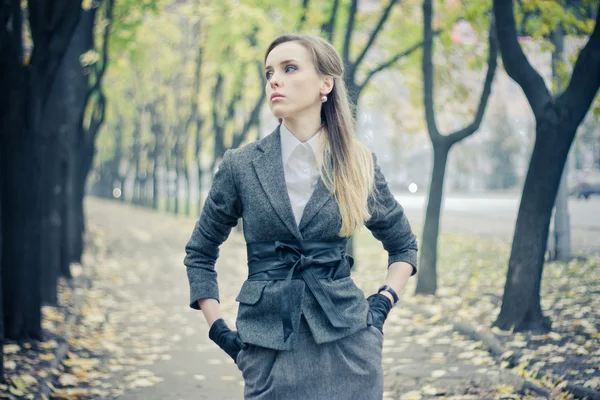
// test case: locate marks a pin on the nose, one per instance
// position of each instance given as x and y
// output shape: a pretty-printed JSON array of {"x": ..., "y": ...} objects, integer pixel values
[{"x": 273, "y": 82}]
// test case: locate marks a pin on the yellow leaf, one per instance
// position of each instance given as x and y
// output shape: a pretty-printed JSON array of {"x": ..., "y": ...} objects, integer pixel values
[
  {"x": 28, "y": 379},
  {"x": 429, "y": 390},
  {"x": 46, "y": 357},
  {"x": 438, "y": 373},
  {"x": 435, "y": 318},
  {"x": 68, "y": 380},
  {"x": 11, "y": 348},
  {"x": 18, "y": 383},
  {"x": 554, "y": 336},
  {"x": 414, "y": 395},
  {"x": 592, "y": 383},
  {"x": 505, "y": 389},
  {"x": 49, "y": 345},
  {"x": 16, "y": 391}
]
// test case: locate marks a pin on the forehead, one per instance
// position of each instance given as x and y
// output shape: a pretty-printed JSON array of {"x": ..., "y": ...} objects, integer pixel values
[{"x": 288, "y": 51}]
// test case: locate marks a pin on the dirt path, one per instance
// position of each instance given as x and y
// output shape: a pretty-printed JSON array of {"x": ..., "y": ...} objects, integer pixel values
[{"x": 161, "y": 348}]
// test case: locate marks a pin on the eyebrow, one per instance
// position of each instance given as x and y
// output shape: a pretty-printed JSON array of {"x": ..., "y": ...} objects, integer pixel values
[{"x": 281, "y": 63}]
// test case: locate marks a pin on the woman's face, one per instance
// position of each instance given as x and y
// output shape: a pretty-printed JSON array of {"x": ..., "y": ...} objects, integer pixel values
[{"x": 293, "y": 83}]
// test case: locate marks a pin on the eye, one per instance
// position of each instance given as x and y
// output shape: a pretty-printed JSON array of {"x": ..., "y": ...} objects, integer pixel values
[
  {"x": 290, "y": 66},
  {"x": 268, "y": 74}
]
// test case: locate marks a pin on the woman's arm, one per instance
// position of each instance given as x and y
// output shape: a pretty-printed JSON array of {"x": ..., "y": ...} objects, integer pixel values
[
  {"x": 397, "y": 276},
  {"x": 210, "y": 308},
  {"x": 220, "y": 214},
  {"x": 390, "y": 226}
]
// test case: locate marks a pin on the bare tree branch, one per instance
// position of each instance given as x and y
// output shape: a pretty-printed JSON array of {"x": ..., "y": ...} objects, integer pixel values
[
  {"x": 349, "y": 30},
  {"x": 487, "y": 88},
  {"x": 109, "y": 18},
  {"x": 196, "y": 88},
  {"x": 302, "y": 20},
  {"x": 384, "y": 16},
  {"x": 515, "y": 62},
  {"x": 328, "y": 29},
  {"x": 392, "y": 61},
  {"x": 585, "y": 80},
  {"x": 427, "y": 66}
]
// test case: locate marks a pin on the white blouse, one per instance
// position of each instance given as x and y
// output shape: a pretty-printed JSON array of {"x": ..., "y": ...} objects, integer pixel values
[{"x": 300, "y": 167}]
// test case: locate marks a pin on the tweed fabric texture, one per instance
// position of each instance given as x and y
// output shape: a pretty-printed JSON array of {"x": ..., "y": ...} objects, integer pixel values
[
  {"x": 250, "y": 184},
  {"x": 349, "y": 368}
]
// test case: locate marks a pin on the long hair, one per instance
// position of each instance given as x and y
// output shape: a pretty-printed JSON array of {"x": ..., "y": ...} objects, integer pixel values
[{"x": 347, "y": 169}]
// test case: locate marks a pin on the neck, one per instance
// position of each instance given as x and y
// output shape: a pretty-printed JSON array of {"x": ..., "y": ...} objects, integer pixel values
[{"x": 304, "y": 127}]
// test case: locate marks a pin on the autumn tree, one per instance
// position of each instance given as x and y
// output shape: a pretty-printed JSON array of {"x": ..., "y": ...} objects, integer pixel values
[
  {"x": 427, "y": 279},
  {"x": 29, "y": 71},
  {"x": 557, "y": 119}
]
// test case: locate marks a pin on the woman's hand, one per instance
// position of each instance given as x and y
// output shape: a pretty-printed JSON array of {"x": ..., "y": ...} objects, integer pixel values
[
  {"x": 225, "y": 338},
  {"x": 379, "y": 308}
]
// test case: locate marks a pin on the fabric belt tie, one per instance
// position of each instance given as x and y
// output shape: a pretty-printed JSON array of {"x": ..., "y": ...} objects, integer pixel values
[{"x": 307, "y": 260}]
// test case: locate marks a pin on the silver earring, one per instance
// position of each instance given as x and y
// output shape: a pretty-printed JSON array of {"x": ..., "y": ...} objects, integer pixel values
[{"x": 323, "y": 99}]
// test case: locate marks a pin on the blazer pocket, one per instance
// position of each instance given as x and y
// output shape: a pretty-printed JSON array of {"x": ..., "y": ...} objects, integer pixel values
[{"x": 251, "y": 292}]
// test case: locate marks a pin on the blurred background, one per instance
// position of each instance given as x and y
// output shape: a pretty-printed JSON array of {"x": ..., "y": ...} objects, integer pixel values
[{"x": 115, "y": 115}]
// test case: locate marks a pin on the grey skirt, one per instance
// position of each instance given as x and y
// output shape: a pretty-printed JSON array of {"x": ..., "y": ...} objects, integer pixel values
[{"x": 348, "y": 368}]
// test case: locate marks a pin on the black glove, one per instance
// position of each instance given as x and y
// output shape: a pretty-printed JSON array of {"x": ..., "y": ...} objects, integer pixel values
[
  {"x": 379, "y": 308},
  {"x": 225, "y": 338}
]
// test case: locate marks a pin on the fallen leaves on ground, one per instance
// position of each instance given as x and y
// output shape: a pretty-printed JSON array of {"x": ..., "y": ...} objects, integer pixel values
[
  {"x": 471, "y": 275},
  {"x": 108, "y": 342},
  {"x": 110, "y": 347}
]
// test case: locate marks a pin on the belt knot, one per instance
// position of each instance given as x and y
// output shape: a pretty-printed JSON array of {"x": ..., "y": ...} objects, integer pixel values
[{"x": 305, "y": 262}]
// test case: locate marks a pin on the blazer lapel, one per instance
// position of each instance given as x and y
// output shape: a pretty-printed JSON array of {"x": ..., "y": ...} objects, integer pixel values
[
  {"x": 320, "y": 196},
  {"x": 269, "y": 169}
]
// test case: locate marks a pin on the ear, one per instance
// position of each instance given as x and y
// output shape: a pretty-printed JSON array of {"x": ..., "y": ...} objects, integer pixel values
[{"x": 327, "y": 85}]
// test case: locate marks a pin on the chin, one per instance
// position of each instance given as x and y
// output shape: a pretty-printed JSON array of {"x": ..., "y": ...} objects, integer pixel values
[{"x": 278, "y": 112}]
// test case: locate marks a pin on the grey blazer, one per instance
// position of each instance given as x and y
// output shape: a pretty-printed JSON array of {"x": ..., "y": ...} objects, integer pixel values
[{"x": 250, "y": 184}]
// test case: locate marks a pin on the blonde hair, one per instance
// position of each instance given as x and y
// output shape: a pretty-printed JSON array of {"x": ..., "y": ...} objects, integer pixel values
[{"x": 347, "y": 169}]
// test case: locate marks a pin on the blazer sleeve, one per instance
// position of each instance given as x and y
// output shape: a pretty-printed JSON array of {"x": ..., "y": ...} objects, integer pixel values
[
  {"x": 220, "y": 214},
  {"x": 389, "y": 225}
]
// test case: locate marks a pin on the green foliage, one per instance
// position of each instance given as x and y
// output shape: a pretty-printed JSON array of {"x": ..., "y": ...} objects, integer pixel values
[{"x": 128, "y": 17}]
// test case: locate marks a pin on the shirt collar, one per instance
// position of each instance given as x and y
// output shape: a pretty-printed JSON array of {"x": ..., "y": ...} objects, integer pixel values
[{"x": 289, "y": 142}]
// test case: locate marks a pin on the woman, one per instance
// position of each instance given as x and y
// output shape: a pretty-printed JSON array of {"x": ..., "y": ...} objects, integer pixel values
[{"x": 304, "y": 329}]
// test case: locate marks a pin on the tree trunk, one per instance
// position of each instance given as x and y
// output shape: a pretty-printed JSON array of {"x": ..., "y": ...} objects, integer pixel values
[
  {"x": 182, "y": 185},
  {"x": 562, "y": 219},
  {"x": 188, "y": 190},
  {"x": 200, "y": 176},
  {"x": 61, "y": 127},
  {"x": 4, "y": 124},
  {"x": 521, "y": 308},
  {"x": 178, "y": 175},
  {"x": 52, "y": 192},
  {"x": 155, "y": 192},
  {"x": 427, "y": 278},
  {"x": 167, "y": 184},
  {"x": 557, "y": 119},
  {"x": 20, "y": 226},
  {"x": 137, "y": 195},
  {"x": 85, "y": 160}
]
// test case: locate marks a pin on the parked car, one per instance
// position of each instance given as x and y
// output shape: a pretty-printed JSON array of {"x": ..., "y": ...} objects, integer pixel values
[{"x": 585, "y": 189}]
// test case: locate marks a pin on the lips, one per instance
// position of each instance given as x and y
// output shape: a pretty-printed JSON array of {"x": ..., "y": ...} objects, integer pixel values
[{"x": 276, "y": 96}]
